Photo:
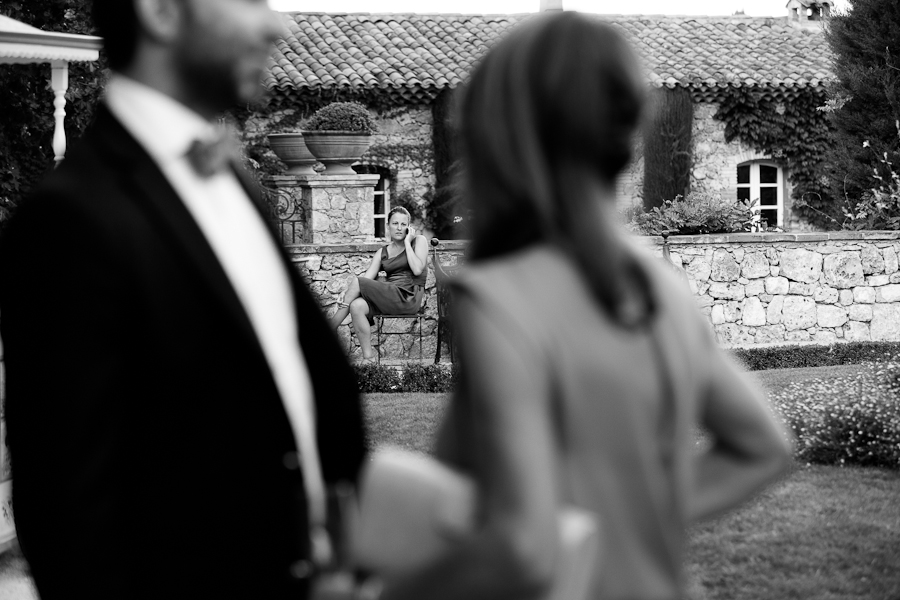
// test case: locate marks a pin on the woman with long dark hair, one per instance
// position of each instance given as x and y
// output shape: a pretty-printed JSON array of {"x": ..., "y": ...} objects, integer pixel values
[{"x": 587, "y": 369}]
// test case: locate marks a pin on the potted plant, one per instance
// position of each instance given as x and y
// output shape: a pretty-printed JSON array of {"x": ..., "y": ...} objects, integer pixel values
[
  {"x": 291, "y": 148},
  {"x": 338, "y": 135}
]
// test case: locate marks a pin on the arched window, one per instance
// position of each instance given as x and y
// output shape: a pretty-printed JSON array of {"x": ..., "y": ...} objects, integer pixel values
[
  {"x": 382, "y": 194},
  {"x": 763, "y": 181}
]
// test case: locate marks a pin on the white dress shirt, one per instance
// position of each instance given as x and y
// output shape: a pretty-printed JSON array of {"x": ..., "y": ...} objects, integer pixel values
[{"x": 246, "y": 250}]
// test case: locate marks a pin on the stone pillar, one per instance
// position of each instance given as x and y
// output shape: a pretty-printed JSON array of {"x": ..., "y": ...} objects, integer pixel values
[
  {"x": 341, "y": 207},
  {"x": 324, "y": 209}
]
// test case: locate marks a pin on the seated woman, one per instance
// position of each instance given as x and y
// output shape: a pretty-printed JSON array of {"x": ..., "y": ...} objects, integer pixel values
[{"x": 404, "y": 261}]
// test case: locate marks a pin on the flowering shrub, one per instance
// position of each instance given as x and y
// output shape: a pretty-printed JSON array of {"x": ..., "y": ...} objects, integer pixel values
[
  {"x": 846, "y": 421},
  {"x": 889, "y": 377},
  {"x": 878, "y": 208},
  {"x": 696, "y": 213}
]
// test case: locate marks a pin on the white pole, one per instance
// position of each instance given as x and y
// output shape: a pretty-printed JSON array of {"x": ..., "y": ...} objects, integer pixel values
[
  {"x": 60, "y": 82},
  {"x": 551, "y": 5}
]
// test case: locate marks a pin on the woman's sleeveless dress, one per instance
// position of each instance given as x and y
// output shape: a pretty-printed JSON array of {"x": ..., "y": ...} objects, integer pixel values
[{"x": 401, "y": 294}]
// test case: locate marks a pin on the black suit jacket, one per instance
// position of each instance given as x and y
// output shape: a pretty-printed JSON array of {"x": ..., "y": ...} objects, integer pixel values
[{"x": 152, "y": 453}]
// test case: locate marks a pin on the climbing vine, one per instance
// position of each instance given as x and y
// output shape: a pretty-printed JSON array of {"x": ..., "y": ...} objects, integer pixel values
[
  {"x": 792, "y": 131},
  {"x": 394, "y": 155}
]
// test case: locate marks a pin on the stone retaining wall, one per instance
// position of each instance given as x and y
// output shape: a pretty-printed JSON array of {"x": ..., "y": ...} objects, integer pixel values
[
  {"x": 760, "y": 289},
  {"x": 756, "y": 288},
  {"x": 328, "y": 270}
]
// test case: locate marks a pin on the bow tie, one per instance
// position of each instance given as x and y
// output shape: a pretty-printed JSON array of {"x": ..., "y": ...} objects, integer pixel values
[{"x": 211, "y": 155}]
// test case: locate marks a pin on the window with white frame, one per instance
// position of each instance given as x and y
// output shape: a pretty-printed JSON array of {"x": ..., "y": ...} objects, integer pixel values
[
  {"x": 382, "y": 195},
  {"x": 763, "y": 181}
]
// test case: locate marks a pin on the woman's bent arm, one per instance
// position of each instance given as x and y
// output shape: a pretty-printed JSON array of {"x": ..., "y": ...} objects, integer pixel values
[
  {"x": 416, "y": 252},
  {"x": 504, "y": 397},
  {"x": 750, "y": 448},
  {"x": 374, "y": 266}
]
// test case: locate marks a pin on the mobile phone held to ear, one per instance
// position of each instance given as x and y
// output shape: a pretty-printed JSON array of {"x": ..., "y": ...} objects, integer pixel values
[{"x": 406, "y": 231}]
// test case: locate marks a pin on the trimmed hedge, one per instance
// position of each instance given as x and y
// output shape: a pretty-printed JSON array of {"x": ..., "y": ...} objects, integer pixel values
[
  {"x": 795, "y": 357},
  {"x": 413, "y": 377}
]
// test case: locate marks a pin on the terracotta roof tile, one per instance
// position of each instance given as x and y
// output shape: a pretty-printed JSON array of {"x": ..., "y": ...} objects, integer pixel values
[{"x": 420, "y": 54}]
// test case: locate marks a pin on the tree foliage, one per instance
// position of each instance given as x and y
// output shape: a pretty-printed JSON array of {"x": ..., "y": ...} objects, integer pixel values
[
  {"x": 864, "y": 103},
  {"x": 26, "y": 104}
]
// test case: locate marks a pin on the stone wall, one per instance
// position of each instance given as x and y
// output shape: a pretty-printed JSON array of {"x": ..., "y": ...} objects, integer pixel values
[
  {"x": 714, "y": 168},
  {"x": 403, "y": 144},
  {"x": 328, "y": 270},
  {"x": 756, "y": 289},
  {"x": 714, "y": 160},
  {"x": 760, "y": 289},
  {"x": 630, "y": 183}
]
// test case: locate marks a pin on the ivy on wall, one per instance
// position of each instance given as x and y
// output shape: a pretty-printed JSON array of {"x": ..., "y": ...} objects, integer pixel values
[
  {"x": 398, "y": 155},
  {"x": 793, "y": 132}
]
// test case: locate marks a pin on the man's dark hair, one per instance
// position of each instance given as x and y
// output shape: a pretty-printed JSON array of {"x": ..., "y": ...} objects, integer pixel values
[{"x": 116, "y": 22}]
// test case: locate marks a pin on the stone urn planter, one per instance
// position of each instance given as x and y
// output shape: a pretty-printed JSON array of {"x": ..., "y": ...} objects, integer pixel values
[
  {"x": 337, "y": 150},
  {"x": 291, "y": 149},
  {"x": 338, "y": 134}
]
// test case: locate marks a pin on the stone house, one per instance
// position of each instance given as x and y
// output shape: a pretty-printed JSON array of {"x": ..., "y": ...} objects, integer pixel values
[{"x": 405, "y": 67}]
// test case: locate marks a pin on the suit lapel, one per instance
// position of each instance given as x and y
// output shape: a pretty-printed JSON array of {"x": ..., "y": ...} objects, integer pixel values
[
  {"x": 152, "y": 190},
  {"x": 338, "y": 412}
]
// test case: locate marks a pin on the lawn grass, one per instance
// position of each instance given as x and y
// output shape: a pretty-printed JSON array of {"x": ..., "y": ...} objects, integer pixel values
[
  {"x": 822, "y": 533},
  {"x": 408, "y": 420}
]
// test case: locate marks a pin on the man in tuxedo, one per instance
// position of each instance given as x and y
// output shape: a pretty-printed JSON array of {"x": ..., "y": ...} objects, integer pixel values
[{"x": 177, "y": 404}]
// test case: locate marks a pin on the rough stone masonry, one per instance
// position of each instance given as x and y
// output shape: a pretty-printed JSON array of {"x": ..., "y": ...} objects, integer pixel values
[
  {"x": 756, "y": 288},
  {"x": 760, "y": 289}
]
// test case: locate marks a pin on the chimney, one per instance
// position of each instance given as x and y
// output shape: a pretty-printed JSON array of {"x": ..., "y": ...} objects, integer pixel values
[
  {"x": 551, "y": 5},
  {"x": 808, "y": 14}
]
